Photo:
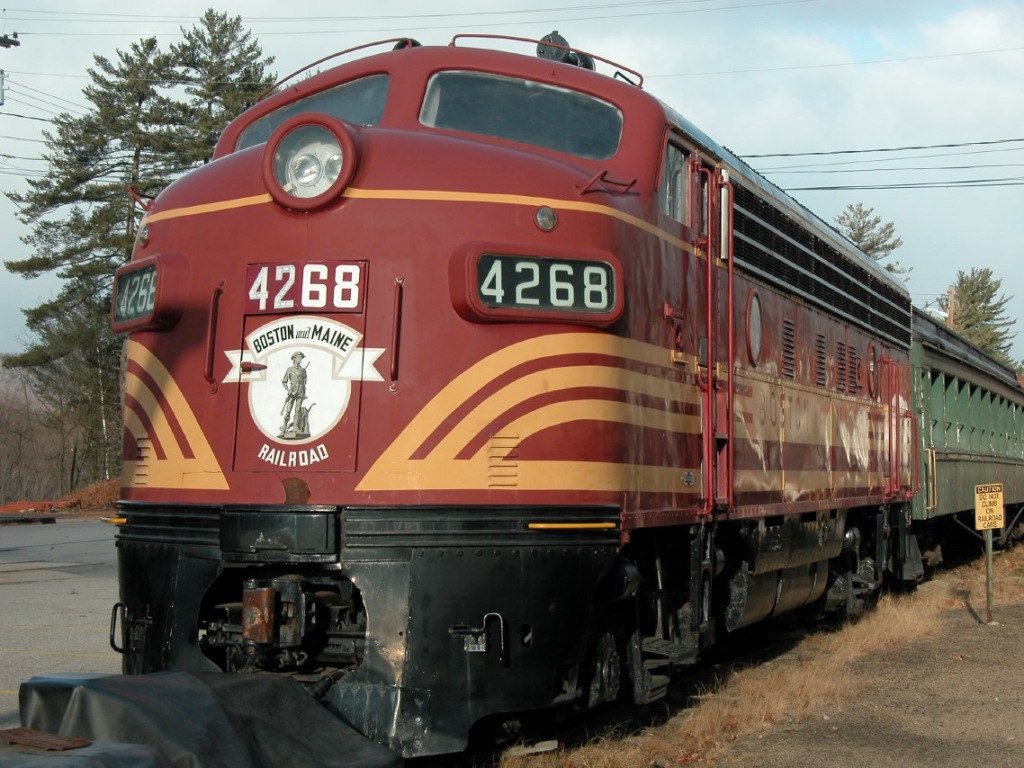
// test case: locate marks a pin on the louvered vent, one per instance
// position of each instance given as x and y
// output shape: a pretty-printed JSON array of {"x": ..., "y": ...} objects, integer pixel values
[
  {"x": 783, "y": 252},
  {"x": 842, "y": 371},
  {"x": 789, "y": 349},
  {"x": 821, "y": 360},
  {"x": 853, "y": 366}
]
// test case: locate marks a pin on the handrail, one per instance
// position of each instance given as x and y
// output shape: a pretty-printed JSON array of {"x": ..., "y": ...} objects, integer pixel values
[
  {"x": 915, "y": 458},
  {"x": 932, "y": 502},
  {"x": 407, "y": 42},
  {"x": 211, "y": 334},
  {"x": 725, "y": 252},
  {"x": 640, "y": 78}
]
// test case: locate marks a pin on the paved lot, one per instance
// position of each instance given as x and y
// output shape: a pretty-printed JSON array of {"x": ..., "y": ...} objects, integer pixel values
[{"x": 57, "y": 585}]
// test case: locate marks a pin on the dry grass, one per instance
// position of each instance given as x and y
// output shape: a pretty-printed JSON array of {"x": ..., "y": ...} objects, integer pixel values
[{"x": 755, "y": 698}]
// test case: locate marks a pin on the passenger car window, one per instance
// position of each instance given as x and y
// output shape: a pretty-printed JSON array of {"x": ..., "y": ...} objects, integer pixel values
[
  {"x": 359, "y": 101},
  {"x": 522, "y": 110}
]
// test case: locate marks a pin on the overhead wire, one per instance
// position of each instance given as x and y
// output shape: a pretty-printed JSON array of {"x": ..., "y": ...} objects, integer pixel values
[
  {"x": 831, "y": 65},
  {"x": 936, "y": 155},
  {"x": 885, "y": 149},
  {"x": 658, "y": 7},
  {"x": 49, "y": 95},
  {"x": 405, "y": 19},
  {"x": 101, "y": 17},
  {"x": 826, "y": 168},
  {"x": 29, "y": 104},
  {"x": 1014, "y": 181}
]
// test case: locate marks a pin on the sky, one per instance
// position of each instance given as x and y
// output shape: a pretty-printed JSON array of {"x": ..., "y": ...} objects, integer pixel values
[{"x": 801, "y": 89}]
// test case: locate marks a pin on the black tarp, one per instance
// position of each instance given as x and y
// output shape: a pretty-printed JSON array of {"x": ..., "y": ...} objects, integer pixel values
[{"x": 193, "y": 720}]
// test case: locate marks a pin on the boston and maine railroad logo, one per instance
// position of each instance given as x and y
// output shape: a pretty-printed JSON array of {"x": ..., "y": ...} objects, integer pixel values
[{"x": 300, "y": 371}]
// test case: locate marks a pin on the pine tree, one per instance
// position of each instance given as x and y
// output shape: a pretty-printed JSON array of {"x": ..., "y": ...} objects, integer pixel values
[
  {"x": 139, "y": 134},
  {"x": 978, "y": 315},
  {"x": 224, "y": 72},
  {"x": 874, "y": 238},
  {"x": 83, "y": 223}
]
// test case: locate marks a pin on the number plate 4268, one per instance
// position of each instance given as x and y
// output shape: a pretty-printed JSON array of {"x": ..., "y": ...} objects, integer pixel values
[{"x": 312, "y": 286}]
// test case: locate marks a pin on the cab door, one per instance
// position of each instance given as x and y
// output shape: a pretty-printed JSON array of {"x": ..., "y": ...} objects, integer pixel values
[{"x": 717, "y": 350}]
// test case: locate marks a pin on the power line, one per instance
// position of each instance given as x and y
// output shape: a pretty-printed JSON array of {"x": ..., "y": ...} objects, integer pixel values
[
  {"x": 28, "y": 104},
  {"x": 795, "y": 67},
  {"x": 885, "y": 149},
  {"x": 98, "y": 17},
  {"x": 19, "y": 138},
  {"x": 50, "y": 95},
  {"x": 5, "y": 156},
  {"x": 404, "y": 19},
  {"x": 25, "y": 117},
  {"x": 900, "y": 168},
  {"x": 776, "y": 168},
  {"x": 1013, "y": 181},
  {"x": 35, "y": 100}
]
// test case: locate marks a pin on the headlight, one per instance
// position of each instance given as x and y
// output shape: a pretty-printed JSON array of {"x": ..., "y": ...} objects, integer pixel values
[{"x": 309, "y": 160}]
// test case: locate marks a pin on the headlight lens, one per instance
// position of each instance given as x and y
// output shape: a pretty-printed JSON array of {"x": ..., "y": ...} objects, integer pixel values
[
  {"x": 306, "y": 171},
  {"x": 332, "y": 168},
  {"x": 301, "y": 159},
  {"x": 308, "y": 161}
]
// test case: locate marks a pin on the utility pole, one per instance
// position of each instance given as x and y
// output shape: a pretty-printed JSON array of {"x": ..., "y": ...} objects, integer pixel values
[
  {"x": 951, "y": 308},
  {"x": 7, "y": 41}
]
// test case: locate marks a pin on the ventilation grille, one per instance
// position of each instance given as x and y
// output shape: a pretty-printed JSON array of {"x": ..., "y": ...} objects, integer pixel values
[
  {"x": 821, "y": 361},
  {"x": 789, "y": 349},
  {"x": 783, "y": 252},
  {"x": 853, "y": 369},
  {"x": 841, "y": 371}
]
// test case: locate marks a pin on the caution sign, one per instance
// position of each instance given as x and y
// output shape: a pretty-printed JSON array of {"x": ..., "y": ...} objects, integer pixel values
[{"x": 988, "y": 507}]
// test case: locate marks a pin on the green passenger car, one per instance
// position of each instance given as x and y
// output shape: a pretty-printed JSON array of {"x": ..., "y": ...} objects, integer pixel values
[{"x": 970, "y": 411}]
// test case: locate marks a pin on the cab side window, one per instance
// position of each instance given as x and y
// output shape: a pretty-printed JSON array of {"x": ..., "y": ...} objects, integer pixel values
[{"x": 673, "y": 183}]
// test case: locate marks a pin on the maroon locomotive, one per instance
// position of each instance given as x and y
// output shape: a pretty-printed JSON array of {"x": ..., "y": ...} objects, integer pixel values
[{"x": 463, "y": 383}]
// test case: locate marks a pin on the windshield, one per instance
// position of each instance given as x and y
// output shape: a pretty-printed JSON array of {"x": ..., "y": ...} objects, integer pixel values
[
  {"x": 359, "y": 101},
  {"x": 522, "y": 110}
]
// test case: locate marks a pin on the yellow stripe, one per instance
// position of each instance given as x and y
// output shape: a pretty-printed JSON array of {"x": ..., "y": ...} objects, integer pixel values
[
  {"x": 195, "y": 210},
  {"x": 552, "y": 380},
  {"x": 526, "y": 200},
  {"x": 431, "y": 195},
  {"x": 396, "y": 470},
  {"x": 591, "y": 410},
  {"x": 175, "y": 471},
  {"x": 570, "y": 526},
  {"x": 157, "y": 418}
]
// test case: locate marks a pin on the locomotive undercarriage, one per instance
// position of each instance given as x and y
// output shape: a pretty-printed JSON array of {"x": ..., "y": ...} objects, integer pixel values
[
  {"x": 410, "y": 624},
  {"x": 288, "y": 624},
  {"x": 422, "y": 623},
  {"x": 804, "y": 566}
]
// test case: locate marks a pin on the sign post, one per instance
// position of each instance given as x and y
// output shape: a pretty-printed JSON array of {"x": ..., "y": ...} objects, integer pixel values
[{"x": 988, "y": 515}]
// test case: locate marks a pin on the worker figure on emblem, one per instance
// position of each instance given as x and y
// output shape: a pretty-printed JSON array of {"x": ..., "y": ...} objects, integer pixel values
[{"x": 294, "y": 383}]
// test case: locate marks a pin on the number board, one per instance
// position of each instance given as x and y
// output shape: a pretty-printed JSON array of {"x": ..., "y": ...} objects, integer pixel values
[
  {"x": 312, "y": 286},
  {"x": 545, "y": 284},
  {"x": 135, "y": 294}
]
